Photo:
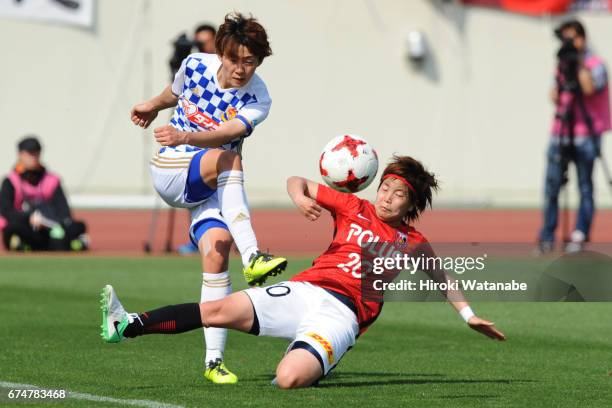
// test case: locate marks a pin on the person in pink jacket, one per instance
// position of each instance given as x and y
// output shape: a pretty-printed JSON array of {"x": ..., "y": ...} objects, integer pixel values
[
  {"x": 34, "y": 211},
  {"x": 582, "y": 100}
]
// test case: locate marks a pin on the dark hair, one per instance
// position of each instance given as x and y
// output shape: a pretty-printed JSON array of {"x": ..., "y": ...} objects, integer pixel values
[
  {"x": 575, "y": 24},
  {"x": 205, "y": 27},
  {"x": 423, "y": 181},
  {"x": 29, "y": 144},
  {"x": 239, "y": 30}
]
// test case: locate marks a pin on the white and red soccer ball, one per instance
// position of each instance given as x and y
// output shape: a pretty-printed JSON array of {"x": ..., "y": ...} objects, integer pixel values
[{"x": 348, "y": 163}]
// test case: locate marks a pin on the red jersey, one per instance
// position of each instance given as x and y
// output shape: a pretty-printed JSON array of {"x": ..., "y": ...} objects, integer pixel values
[{"x": 339, "y": 267}]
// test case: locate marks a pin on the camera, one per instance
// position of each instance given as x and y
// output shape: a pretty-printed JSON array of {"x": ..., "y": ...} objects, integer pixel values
[
  {"x": 568, "y": 52},
  {"x": 568, "y": 58},
  {"x": 567, "y": 55},
  {"x": 182, "y": 48}
]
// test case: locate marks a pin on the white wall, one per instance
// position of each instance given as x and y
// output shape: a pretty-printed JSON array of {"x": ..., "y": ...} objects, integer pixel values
[{"x": 477, "y": 115}]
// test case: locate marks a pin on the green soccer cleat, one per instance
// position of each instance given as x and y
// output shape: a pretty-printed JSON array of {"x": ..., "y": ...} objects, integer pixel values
[
  {"x": 114, "y": 317},
  {"x": 217, "y": 373},
  {"x": 261, "y": 266}
]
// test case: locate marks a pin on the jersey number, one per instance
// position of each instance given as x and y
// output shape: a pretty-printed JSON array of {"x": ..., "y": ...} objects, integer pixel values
[{"x": 353, "y": 265}]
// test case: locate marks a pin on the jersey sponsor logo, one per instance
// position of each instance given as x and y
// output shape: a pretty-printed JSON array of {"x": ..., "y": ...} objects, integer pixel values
[
  {"x": 194, "y": 115},
  {"x": 401, "y": 240},
  {"x": 371, "y": 246},
  {"x": 229, "y": 114},
  {"x": 240, "y": 217},
  {"x": 362, "y": 236},
  {"x": 189, "y": 108},
  {"x": 325, "y": 344},
  {"x": 362, "y": 217}
]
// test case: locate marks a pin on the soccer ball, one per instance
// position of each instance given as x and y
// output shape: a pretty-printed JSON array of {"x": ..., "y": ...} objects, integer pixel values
[{"x": 348, "y": 163}]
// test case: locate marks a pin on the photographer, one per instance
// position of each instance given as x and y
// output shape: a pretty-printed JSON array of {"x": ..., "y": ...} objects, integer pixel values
[
  {"x": 582, "y": 115},
  {"x": 204, "y": 38},
  {"x": 34, "y": 212}
]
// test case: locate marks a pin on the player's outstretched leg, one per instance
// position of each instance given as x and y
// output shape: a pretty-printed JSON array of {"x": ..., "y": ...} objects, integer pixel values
[
  {"x": 233, "y": 312},
  {"x": 222, "y": 170}
]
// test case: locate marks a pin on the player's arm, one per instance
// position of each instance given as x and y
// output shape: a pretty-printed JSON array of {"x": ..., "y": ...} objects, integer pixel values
[
  {"x": 240, "y": 126},
  {"x": 303, "y": 193},
  {"x": 226, "y": 132},
  {"x": 457, "y": 300},
  {"x": 144, "y": 113}
]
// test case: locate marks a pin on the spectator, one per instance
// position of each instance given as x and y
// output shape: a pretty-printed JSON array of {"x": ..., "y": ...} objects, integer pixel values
[{"x": 34, "y": 212}]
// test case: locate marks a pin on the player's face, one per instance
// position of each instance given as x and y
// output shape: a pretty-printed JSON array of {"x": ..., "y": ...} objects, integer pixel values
[
  {"x": 392, "y": 202},
  {"x": 237, "y": 70}
]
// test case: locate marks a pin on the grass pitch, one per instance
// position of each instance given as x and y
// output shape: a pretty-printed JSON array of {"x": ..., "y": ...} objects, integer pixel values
[{"x": 417, "y": 354}]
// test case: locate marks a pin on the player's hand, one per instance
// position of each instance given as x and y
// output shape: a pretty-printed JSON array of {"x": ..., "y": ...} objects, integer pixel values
[
  {"x": 143, "y": 114},
  {"x": 485, "y": 327},
  {"x": 169, "y": 136},
  {"x": 309, "y": 208}
]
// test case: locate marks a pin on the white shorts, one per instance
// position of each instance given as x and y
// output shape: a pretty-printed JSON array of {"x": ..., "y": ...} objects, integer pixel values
[
  {"x": 307, "y": 315},
  {"x": 176, "y": 178},
  {"x": 205, "y": 216}
]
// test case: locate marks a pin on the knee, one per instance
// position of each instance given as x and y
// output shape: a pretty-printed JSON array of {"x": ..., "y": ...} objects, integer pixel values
[
  {"x": 290, "y": 375},
  {"x": 551, "y": 193},
  {"x": 215, "y": 257},
  {"x": 213, "y": 313},
  {"x": 75, "y": 228},
  {"x": 288, "y": 378},
  {"x": 586, "y": 193},
  {"x": 215, "y": 254},
  {"x": 586, "y": 188}
]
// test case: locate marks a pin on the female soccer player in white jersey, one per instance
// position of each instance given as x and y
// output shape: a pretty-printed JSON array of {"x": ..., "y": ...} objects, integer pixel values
[
  {"x": 219, "y": 100},
  {"x": 323, "y": 309}
]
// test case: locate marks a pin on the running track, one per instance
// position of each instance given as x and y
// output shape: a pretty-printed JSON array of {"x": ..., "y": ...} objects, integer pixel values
[{"x": 123, "y": 232}]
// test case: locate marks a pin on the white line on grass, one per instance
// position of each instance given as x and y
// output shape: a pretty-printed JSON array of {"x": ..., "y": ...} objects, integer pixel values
[{"x": 96, "y": 398}]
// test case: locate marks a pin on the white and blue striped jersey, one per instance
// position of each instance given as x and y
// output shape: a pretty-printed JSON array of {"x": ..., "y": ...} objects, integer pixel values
[{"x": 203, "y": 105}]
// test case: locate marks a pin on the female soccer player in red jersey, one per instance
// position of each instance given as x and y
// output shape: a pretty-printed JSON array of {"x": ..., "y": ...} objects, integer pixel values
[{"x": 321, "y": 310}]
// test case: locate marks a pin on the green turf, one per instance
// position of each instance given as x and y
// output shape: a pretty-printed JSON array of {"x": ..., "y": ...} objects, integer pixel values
[{"x": 557, "y": 355}]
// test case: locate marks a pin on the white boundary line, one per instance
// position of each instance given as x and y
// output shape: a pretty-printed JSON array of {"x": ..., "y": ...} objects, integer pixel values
[{"x": 96, "y": 398}]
